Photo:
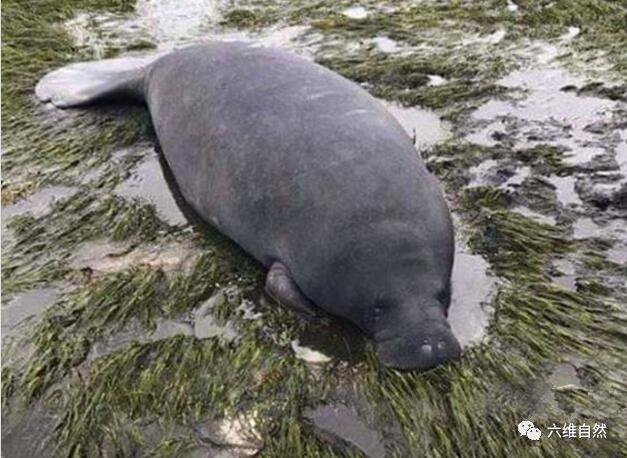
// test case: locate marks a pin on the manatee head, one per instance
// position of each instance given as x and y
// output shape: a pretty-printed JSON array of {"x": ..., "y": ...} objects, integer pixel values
[{"x": 415, "y": 334}]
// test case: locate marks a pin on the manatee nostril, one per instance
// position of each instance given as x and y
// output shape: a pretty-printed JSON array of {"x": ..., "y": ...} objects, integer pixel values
[
  {"x": 426, "y": 350},
  {"x": 438, "y": 350}
]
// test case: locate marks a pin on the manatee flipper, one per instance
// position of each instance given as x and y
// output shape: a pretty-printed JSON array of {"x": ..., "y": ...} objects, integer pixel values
[
  {"x": 87, "y": 82},
  {"x": 281, "y": 287}
]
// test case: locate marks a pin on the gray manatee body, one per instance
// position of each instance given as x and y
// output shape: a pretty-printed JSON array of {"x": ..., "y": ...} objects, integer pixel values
[{"x": 308, "y": 173}]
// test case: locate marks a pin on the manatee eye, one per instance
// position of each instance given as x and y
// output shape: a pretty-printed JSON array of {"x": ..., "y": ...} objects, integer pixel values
[
  {"x": 377, "y": 312},
  {"x": 443, "y": 296}
]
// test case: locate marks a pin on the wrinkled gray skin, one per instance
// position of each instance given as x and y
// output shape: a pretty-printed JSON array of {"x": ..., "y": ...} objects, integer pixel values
[{"x": 302, "y": 167}]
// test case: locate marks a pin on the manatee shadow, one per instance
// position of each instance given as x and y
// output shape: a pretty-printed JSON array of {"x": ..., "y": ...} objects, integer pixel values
[{"x": 334, "y": 336}]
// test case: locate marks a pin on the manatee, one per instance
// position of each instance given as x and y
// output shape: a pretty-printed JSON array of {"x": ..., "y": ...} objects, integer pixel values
[{"x": 308, "y": 173}]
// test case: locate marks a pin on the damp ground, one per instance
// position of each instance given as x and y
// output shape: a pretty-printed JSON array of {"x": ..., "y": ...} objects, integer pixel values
[{"x": 131, "y": 328}]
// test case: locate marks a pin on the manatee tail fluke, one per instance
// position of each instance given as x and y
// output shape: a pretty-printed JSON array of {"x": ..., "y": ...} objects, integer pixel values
[{"x": 88, "y": 82}]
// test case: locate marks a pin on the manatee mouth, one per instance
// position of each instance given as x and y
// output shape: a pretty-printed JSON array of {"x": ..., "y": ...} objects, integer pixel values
[{"x": 421, "y": 350}]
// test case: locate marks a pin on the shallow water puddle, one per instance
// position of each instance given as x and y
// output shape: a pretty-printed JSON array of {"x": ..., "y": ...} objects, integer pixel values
[
  {"x": 621, "y": 152},
  {"x": 206, "y": 326},
  {"x": 339, "y": 423},
  {"x": 423, "y": 125},
  {"x": 488, "y": 135},
  {"x": 18, "y": 315},
  {"x": 132, "y": 332},
  {"x": 135, "y": 333},
  {"x": 563, "y": 376},
  {"x": 547, "y": 114},
  {"x": 28, "y": 434},
  {"x": 26, "y": 305},
  {"x": 473, "y": 290},
  {"x": 565, "y": 190},
  {"x": 200, "y": 323},
  {"x": 493, "y": 173},
  {"x": 38, "y": 203},
  {"x": 586, "y": 227},
  {"x": 545, "y": 100},
  {"x": 618, "y": 253},
  {"x": 147, "y": 182},
  {"x": 204, "y": 322},
  {"x": 567, "y": 274}
]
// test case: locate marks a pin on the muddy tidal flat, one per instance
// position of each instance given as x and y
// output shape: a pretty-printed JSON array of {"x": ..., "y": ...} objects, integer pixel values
[{"x": 131, "y": 329}]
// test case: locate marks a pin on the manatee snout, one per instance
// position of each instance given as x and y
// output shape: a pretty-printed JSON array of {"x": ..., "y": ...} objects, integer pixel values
[{"x": 429, "y": 346}]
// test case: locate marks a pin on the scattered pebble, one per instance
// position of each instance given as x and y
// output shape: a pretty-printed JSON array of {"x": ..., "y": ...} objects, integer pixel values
[
  {"x": 355, "y": 12},
  {"x": 436, "y": 80},
  {"x": 385, "y": 44}
]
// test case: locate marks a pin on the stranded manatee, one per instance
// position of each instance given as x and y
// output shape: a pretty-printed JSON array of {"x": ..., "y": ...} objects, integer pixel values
[{"x": 305, "y": 171}]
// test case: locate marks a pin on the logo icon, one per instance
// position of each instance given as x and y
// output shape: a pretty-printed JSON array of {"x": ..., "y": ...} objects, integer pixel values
[{"x": 526, "y": 428}]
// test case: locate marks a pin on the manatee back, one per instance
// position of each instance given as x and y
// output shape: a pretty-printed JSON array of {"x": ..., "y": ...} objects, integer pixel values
[{"x": 296, "y": 163}]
